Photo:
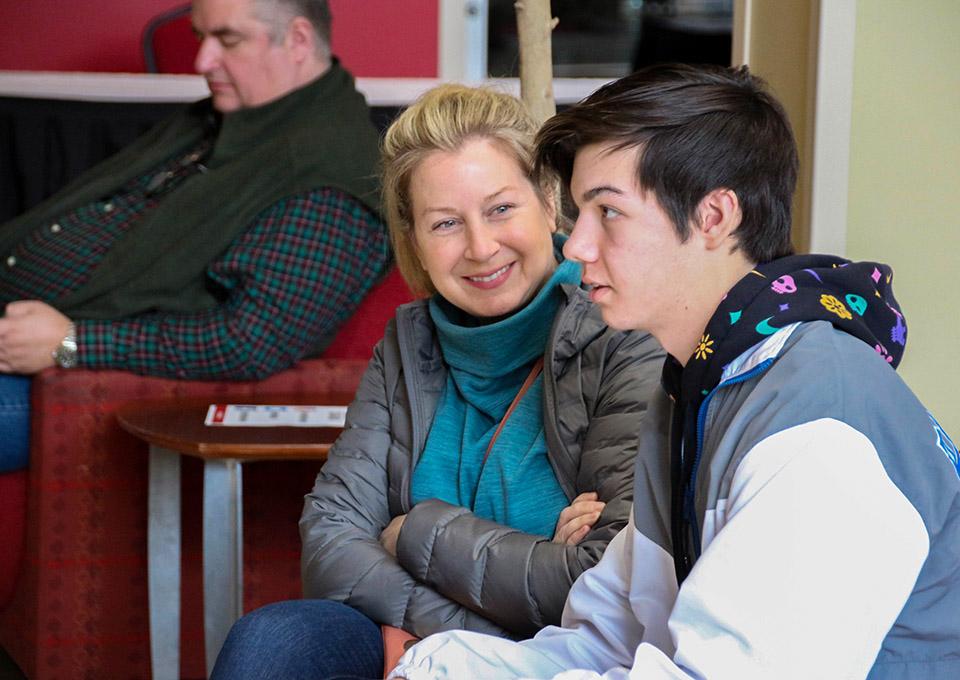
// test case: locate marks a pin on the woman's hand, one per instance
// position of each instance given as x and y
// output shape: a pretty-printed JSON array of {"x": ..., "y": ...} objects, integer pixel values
[
  {"x": 576, "y": 519},
  {"x": 390, "y": 535}
]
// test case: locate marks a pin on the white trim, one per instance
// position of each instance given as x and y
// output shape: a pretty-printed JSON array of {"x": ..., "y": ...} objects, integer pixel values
[
  {"x": 830, "y": 171},
  {"x": 742, "y": 27},
  {"x": 462, "y": 43},
  {"x": 449, "y": 38},
  {"x": 565, "y": 90},
  {"x": 163, "y": 87},
  {"x": 107, "y": 87}
]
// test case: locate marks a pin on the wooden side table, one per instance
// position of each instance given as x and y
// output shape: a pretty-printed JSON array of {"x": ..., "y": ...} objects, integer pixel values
[{"x": 177, "y": 428}]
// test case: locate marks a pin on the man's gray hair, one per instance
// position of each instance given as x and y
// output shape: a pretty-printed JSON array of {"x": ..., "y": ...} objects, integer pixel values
[{"x": 279, "y": 13}]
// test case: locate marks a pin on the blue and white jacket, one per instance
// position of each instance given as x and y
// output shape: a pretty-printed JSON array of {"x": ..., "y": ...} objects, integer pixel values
[{"x": 828, "y": 503}]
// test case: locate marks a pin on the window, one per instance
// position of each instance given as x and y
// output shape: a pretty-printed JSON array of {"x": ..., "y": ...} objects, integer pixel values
[{"x": 610, "y": 38}]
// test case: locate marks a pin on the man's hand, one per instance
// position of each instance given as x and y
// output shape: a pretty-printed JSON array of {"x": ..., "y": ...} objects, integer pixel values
[
  {"x": 390, "y": 535},
  {"x": 577, "y": 518},
  {"x": 30, "y": 331}
]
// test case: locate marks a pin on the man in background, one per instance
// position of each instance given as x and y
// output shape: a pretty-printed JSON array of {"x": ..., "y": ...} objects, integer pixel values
[{"x": 226, "y": 243}]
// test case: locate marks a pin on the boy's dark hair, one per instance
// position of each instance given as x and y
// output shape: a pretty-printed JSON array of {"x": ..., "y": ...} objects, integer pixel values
[{"x": 697, "y": 129}]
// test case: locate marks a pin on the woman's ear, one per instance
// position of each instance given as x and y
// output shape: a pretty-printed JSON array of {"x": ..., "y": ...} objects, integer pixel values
[
  {"x": 551, "y": 207},
  {"x": 415, "y": 247},
  {"x": 718, "y": 217}
]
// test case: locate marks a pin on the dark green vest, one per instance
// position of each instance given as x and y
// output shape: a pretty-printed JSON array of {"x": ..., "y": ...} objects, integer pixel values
[{"x": 318, "y": 136}]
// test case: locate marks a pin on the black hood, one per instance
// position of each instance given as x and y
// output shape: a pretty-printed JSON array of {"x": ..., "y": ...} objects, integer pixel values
[{"x": 856, "y": 297}]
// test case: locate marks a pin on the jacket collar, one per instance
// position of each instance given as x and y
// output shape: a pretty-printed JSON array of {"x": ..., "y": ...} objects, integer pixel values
[
  {"x": 240, "y": 128},
  {"x": 577, "y": 325},
  {"x": 768, "y": 348}
]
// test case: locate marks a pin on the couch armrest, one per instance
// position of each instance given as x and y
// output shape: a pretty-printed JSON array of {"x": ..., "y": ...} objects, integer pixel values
[
  {"x": 79, "y": 608},
  {"x": 80, "y": 603}
]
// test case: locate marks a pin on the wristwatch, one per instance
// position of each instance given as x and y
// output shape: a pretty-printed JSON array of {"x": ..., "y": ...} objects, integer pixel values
[{"x": 65, "y": 355}]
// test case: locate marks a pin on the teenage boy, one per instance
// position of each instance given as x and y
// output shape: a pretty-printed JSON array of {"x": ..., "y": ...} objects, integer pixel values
[{"x": 806, "y": 521}]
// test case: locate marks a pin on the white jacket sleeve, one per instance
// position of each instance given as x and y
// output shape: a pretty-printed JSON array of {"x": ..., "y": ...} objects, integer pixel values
[
  {"x": 807, "y": 564},
  {"x": 601, "y": 625},
  {"x": 805, "y": 568}
]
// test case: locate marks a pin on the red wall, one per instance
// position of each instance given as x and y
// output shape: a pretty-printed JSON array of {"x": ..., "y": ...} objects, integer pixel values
[
  {"x": 386, "y": 38},
  {"x": 376, "y": 38}
]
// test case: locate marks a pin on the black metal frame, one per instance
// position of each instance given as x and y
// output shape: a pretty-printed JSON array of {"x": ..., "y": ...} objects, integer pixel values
[{"x": 146, "y": 43}]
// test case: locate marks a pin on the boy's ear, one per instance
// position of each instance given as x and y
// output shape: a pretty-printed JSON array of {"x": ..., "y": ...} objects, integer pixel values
[{"x": 718, "y": 217}]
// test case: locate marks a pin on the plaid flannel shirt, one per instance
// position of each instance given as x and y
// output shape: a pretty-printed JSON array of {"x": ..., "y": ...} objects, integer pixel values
[{"x": 294, "y": 276}]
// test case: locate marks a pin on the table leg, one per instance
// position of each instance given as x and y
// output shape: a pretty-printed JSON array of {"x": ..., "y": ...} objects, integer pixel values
[
  {"x": 222, "y": 552},
  {"x": 163, "y": 562}
]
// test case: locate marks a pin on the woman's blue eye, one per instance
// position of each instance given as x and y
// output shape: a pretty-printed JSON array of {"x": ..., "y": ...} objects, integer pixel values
[
  {"x": 501, "y": 209},
  {"x": 446, "y": 224}
]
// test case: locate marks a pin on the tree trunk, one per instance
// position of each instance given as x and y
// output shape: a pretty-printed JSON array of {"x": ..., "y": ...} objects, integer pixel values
[{"x": 534, "y": 28}]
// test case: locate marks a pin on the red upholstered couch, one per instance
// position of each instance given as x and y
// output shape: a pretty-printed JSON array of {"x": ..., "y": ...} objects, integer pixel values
[{"x": 79, "y": 591}]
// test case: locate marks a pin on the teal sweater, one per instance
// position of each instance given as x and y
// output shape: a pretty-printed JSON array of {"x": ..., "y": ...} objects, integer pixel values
[{"x": 487, "y": 366}]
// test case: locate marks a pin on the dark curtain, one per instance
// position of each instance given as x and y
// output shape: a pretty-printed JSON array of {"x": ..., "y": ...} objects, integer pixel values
[{"x": 45, "y": 143}]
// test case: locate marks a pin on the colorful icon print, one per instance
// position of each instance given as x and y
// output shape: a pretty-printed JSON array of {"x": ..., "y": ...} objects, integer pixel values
[
  {"x": 764, "y": 327},
  {"x": 857, "y": 303},
  {"x": 784, "y": 285}
]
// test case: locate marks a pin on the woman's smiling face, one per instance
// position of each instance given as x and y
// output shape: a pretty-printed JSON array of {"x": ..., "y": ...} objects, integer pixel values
[{"x": 480, "y": 229}]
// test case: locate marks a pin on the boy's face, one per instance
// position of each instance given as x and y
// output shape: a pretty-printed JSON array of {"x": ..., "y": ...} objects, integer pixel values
[{"x": 632, "y": 256}]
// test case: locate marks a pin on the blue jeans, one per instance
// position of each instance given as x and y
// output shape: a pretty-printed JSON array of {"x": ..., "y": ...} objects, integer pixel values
[
  {"x": 302, "y": 640},
  {"x": 14, "y": 422}
]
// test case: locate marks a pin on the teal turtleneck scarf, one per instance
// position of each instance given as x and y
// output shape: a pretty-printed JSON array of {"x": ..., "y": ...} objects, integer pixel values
[{"x": 487, "y": 365}]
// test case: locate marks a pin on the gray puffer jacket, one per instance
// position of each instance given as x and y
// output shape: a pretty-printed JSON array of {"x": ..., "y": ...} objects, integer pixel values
[{"x": 454, "y": 569}]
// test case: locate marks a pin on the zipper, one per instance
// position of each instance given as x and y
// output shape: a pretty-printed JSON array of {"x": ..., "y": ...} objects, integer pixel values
[{"x": 689, "y": 509}]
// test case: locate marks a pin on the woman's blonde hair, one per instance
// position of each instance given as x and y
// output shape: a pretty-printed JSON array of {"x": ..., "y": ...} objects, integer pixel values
[{"x": 444, "y": 119}]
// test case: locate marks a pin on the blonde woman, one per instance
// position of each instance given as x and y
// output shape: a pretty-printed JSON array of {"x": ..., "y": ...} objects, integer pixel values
[{"x": 487, "y": 459}]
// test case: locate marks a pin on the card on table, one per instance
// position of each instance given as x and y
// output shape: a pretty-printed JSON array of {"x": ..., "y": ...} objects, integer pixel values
[{"x": 267, "y": 415}]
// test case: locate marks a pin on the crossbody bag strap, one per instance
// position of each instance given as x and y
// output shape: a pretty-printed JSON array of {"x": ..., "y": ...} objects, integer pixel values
[{"x": 531, "y": 377}]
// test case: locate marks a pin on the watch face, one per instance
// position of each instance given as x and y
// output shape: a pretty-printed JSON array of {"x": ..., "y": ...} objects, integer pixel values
[{"x": 65, "y": 355}]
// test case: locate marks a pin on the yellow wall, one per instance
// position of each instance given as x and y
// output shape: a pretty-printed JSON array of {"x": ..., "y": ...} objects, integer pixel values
[
  {"x": 780, "y": 52},
  {"x": 904, "y": 192}
]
